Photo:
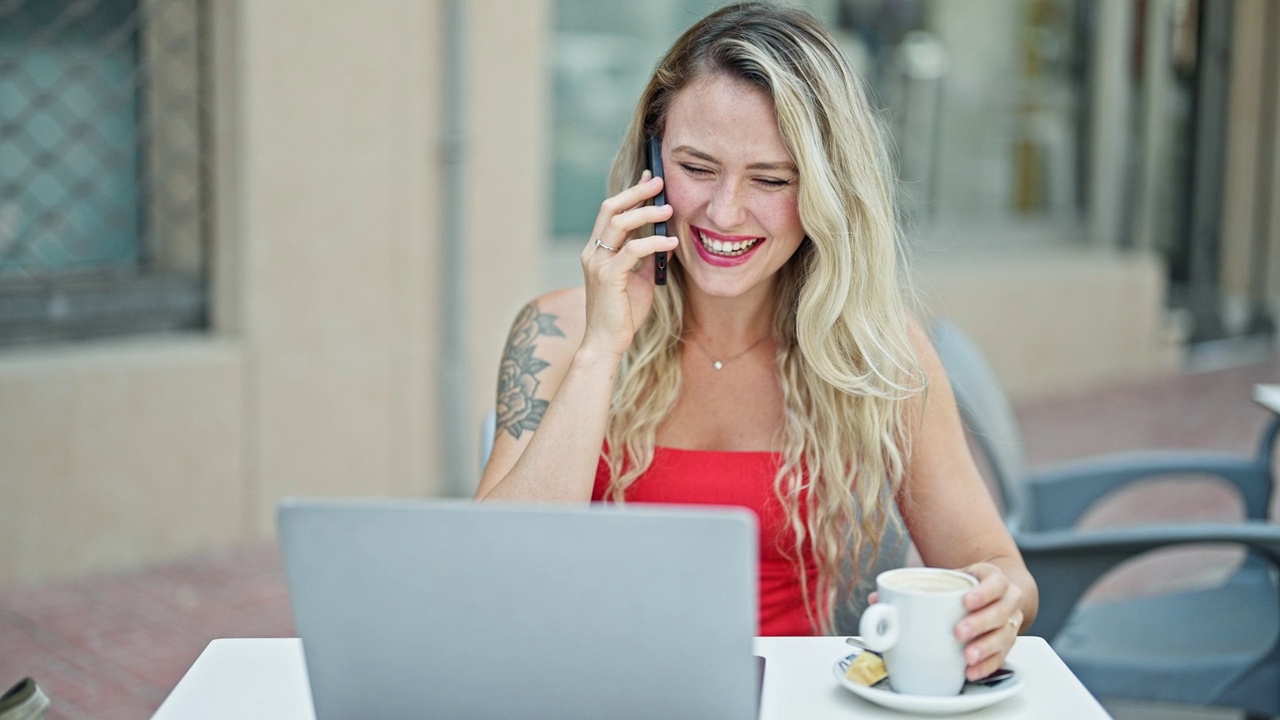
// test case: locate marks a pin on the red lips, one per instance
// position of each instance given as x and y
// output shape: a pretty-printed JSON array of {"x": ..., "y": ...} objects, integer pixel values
[{"x": 711, "y": 258}]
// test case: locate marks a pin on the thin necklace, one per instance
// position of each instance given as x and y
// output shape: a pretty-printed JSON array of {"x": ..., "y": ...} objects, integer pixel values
[{"x": 719, "y": 364}]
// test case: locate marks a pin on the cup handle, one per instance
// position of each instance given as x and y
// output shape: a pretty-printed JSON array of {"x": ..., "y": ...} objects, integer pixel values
[{"x": 879, "y": 627}]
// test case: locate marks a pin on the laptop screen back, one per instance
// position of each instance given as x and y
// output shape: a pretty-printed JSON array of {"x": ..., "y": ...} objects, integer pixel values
[{"x": 421, "y": 608}]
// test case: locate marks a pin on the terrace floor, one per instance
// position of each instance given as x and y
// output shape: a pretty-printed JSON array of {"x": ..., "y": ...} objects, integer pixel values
[{"x": 112, "y": 646}]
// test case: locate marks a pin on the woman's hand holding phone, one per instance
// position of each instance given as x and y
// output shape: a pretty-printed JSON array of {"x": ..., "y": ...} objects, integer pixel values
[{"x": 619, "y": 285}]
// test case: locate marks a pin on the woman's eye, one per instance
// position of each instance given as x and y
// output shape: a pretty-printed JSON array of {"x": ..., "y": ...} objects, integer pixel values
[
  {"x": 773, "y": 183},
  {"x": 695, "y": 170}
]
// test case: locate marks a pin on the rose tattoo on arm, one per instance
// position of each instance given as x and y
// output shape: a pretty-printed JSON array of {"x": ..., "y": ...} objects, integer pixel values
[{"x": 518, "y": 409}]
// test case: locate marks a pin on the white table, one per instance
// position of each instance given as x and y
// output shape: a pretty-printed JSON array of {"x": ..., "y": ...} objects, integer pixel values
[{"x": 267, "y": 680}]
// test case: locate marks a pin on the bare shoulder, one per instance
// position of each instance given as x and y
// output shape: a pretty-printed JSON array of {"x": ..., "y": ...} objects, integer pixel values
[
  {"x": 544, "y": 335},
  {"x": 926, "y": 354},
  {"x": 553, "y": 322},
  {"x": 569, "y": 308},
  {"x": 918, "y": 334},
  {"x": 930, "y": 377}
]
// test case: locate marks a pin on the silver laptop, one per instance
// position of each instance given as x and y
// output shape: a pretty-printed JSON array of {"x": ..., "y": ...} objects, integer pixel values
[{"x": 451, "y": 609}]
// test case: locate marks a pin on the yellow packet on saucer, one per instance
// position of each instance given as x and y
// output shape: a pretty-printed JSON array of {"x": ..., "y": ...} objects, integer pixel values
[{"x": 867, "y": 669}]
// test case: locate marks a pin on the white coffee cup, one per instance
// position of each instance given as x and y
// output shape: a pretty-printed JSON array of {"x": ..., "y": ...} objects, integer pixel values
[{"x": 913, "y": 626}]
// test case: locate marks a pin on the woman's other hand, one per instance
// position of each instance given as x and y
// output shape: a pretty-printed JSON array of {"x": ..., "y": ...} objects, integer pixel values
[
  {"x": 618, "y": 276},
  {"x": 993, "y": 622}
]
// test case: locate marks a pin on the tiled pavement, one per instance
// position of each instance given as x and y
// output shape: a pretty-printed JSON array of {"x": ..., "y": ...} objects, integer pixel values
[{"x": 111, "y": 647}]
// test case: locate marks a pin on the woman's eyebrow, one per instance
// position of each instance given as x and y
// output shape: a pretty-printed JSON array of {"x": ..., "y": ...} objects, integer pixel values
[
  {"x": 782, "y": 165},
  {"x": 787, "y": 166}
]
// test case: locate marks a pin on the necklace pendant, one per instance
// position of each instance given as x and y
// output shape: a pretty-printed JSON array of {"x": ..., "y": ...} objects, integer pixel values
[{"x": 717, "y": 364}]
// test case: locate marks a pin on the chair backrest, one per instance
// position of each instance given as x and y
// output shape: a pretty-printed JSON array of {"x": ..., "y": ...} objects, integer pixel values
[
  {"x": 986, "y": 411},
  {"x": 488, "y": 428},
  {"x": 894, "y": 549}
]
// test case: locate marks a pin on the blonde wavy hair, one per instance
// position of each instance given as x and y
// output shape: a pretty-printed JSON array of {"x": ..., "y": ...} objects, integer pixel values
[{"x": 845, "y": 360}]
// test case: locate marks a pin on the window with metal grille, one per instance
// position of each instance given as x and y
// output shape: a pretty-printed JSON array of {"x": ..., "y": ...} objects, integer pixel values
[{"x": 104, "y": 172}]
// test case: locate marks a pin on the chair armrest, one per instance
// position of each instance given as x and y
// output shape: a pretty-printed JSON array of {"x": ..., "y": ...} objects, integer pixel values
[
  {"x": 1066, "y": 563},
  {"x": 1057, "y": 497}
]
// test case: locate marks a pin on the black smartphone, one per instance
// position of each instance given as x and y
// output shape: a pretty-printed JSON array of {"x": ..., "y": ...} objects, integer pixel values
[{"x": 660, "y": 228}]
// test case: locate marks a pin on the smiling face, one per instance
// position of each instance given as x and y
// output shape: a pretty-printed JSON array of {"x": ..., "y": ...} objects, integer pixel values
[{"x": 733, "y": 186}]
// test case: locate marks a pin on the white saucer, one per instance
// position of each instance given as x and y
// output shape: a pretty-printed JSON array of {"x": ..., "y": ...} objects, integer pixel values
[{"x": 972, "y": 697}]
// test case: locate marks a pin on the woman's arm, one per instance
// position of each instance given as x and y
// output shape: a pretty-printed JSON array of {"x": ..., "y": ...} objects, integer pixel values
[
  {"x": 553, "y": 402},
  {"x": 955, "y": 524},
  {"x": 563, "y": 355}
]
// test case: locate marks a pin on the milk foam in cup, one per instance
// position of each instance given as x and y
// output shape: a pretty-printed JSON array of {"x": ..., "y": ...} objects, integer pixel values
[{"x": 913, "y": 626}]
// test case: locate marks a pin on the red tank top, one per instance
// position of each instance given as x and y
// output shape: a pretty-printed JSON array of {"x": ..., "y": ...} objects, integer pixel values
[{"x": 710, "y": 477}]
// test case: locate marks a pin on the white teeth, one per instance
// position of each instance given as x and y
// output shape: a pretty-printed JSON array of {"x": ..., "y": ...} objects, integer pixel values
[{"x": 728, "y": 249}]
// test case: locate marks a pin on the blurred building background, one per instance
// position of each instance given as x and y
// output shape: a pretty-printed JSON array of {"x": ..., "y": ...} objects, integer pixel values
[{"x": 253, "y": 249}]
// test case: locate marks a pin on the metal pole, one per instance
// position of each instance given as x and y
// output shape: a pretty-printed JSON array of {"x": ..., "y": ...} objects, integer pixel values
[
  {"x": 1109, "y": 126},
  {"x": 453, "y": 378},
  {"x": 1209, "y": 138}
]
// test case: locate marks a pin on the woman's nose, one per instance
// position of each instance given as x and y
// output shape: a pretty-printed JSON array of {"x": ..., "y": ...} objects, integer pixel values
[{"x": 726, "y": 209}]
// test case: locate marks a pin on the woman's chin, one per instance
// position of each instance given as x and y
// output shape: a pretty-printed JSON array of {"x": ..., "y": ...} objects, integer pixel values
[{"x": 719, "y": 283}]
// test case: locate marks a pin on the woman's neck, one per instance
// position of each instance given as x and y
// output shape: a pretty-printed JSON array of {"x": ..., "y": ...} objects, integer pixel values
[{"x": 729, "y": 323}]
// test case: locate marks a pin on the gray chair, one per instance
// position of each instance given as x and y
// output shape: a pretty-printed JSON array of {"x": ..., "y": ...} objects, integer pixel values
[
  {"x": 1210, "y": 646},
  {"x": 893, "y": 549},
  {"x": 488, "y": 428}
]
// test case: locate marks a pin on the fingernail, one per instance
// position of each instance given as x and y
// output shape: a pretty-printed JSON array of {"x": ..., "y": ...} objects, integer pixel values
[{"x": 964, "y": 629}]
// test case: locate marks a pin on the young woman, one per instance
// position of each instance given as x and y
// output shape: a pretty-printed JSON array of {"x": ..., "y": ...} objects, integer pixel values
[{"x": 781, "y": 368}]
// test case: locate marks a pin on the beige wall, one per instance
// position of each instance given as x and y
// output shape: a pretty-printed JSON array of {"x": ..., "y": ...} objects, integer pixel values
[
  {"x": 338, "y": 190},
  {"x": 507, "y": 181},
  {"x": 1057, "y": 319},
  {"x": 1250, "y": 159},
  {"x": 320, "y": 376},
  {"x": 117, "y": 452}
]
